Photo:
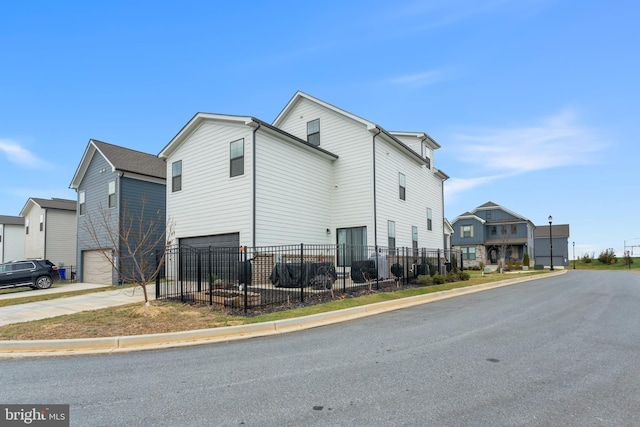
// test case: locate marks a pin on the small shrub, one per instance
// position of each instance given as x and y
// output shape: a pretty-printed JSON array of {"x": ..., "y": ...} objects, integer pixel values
[
  {"x": 464, "y": 275},
  {"x": 451, "y": 277},
  {"x": 432, "y": 268},
  {"x": 586, "y": 259},
  {"x": 425, "y": 280},
  {"x": 454, "y": 264},
  {"x": 525, "y": 260},
  {"x": 438, "y": 279},
  {"x": 608, "y": 257}
]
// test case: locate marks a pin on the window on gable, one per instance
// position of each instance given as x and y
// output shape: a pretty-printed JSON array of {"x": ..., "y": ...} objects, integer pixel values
[
  {"x": 467, "y": 231},
  {"x": 41, "y": 222},
  {"x": 488, "y": 214},
  {"x": 112, "y": 194},
  {"x": 81, "y": 205},
  {"x": 429, "y": 219},
  {"x": 391, "y": 231},
  {"x": 313, "y": 132},
  {"x": 402, "y": 183},
  {"x": 176, "y": 176},
  {"x": 237, "y": 158}
]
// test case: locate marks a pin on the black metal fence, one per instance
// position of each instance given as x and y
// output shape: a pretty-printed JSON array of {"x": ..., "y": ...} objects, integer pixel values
[{"x": 284, "y": 276}]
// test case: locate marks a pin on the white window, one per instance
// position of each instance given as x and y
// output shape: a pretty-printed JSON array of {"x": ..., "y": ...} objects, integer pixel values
[
  {"x": 112, "y": 194},
  {"x": 237, "y": 158},
  {"x": 81, "y": 205},
  {"x": 41, "y": 222},
  {"x": 467, "y": 231},
  {"x": 391, "y": 231},
  {"x": 176, "y": 176},
  {"x": 26, "y": 225},
  {"x": 313, "y": 132},
  {"x": 402, "y": 182}
]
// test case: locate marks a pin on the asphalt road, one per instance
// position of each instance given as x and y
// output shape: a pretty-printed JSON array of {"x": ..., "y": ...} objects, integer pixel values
[{"x": 559, "y": 351}]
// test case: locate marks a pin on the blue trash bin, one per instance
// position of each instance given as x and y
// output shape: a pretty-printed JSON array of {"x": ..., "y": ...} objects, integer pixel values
[{"x": 62, "y": 272}]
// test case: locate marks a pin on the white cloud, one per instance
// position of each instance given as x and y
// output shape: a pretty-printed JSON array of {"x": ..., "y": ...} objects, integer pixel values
[
  {"x": 20, "y": 155},
  {"x": 419, "y": 79},
  {"x": 556, "y": 141}
]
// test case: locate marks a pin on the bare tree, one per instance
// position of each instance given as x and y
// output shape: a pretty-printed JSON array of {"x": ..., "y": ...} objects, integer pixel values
[{"x": 137, "y": 239}]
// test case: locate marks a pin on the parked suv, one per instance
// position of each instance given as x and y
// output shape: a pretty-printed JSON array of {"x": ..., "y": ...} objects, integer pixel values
[{"x": 37, "y": 273}]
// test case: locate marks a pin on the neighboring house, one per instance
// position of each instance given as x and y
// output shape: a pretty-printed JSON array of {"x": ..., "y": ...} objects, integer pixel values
[
  {"x": 11, "y": 238},
  {"x": 50, "y": 230},
  {"x": 448, "y": 231},
  {"x": 559, "y": 237},
  {"x": 113, "y": 184},
  {"x": 317, "y": 175},
  {"x": 492, "y": 234}
]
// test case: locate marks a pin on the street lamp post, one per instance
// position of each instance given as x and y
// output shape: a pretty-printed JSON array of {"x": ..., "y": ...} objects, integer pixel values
[
  {"x": 550, "y": 243},
  {"x": 574, "y": 255}
]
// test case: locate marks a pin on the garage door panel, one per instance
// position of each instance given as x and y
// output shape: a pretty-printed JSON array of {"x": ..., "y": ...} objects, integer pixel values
[{"x": 96, "y": 268}]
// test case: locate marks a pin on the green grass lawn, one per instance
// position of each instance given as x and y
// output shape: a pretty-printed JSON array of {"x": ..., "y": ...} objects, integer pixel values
[{"x": 597, "y": 265}]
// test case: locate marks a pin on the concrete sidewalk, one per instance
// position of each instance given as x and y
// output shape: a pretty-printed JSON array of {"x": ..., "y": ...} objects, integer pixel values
[{"x": 68, "y": 305}]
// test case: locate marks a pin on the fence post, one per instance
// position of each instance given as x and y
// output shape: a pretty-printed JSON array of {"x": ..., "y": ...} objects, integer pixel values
[
  {"x": 199, "y": 267},
  {"x": 439, "y": 263},
  {"x": 301, "y": 272},
  {"x": 245, "y": 275},
  {"x": 157, "y": 274},
  {"x": 210, "y": 274}
]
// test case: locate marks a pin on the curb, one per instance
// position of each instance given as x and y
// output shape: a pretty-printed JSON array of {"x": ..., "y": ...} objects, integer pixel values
[{"x": 78, "y": 346}]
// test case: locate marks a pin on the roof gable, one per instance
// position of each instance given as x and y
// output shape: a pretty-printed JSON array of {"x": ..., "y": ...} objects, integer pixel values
[
  {"x": 199, "y": 118},
  {"x": 120, "y": 159},
  {"x": 54, "y": 203}
]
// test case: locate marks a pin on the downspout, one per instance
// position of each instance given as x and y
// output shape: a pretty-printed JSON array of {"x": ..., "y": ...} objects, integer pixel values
[
  {"x": 253, "y": 172},
  {"x": 375, "y": 208},
  {"x": 44, "y": 227}
]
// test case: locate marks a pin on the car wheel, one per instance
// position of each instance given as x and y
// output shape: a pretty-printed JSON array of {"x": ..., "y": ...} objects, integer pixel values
[{"x": 43, "y": 282}]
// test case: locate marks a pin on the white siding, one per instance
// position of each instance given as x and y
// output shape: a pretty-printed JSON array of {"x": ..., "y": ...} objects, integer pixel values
[
  {"x": 293, "y": 193},
  {"x": 352, "y": 172},
  {"x": 12, "y": 246},
  {"x": 61, "y": 237},
  {"x": 211, "y": 202},
  {"x": 34, "y": 241},
  {"x": 421, "y": 193}
]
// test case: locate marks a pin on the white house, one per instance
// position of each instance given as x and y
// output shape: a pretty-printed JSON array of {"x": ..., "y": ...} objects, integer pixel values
[
  {"x": 11, "y": 238},
  {"x": 50, "y": 230},
  {"x": 318, "y": 174}
]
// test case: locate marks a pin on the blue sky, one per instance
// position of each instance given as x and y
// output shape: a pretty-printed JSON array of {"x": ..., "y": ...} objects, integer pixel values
[{"x": 534, "y": 102}]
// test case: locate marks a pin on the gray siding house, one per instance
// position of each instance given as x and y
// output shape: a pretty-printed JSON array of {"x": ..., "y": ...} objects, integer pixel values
[
  {"x": 11, "y": 238},
  {"x": 556, "y": 235},
  {"x": 115, "y": 186},
  {"x": 492, "y": 234}
]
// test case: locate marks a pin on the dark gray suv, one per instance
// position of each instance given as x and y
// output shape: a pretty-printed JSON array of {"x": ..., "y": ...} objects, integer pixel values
[{"x": 37, "y": 273}]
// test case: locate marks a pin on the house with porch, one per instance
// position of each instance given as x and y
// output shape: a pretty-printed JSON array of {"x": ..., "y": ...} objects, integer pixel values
[
  {"x": 493, "y": 235},
  {"x": 317, "y": 174},
  {"x": 121, "y": 195}
]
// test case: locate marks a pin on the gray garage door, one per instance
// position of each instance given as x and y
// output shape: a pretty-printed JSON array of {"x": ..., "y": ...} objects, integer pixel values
[
  {"x": 96, "y": 268},
  {"x": 231, "y": 240},
  {"x": 210, "y": 256}
]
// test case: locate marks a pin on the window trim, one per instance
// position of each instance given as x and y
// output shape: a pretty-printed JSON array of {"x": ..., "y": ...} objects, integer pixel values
[
  {"x": 313, "y": 136},
  {"x": 111, "y": 202},
  {"x": 429, "y": 219},
  {"x": 462, "y": 231},
  {"x": 391, "y": 235},
  {"x": 402, "y": 186},
  {"x": 237, "y": 160},
  {"x": 176, "y": 179},
  {"x": 81, "y": 203},
  {"x": 41, "y": 222}
]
